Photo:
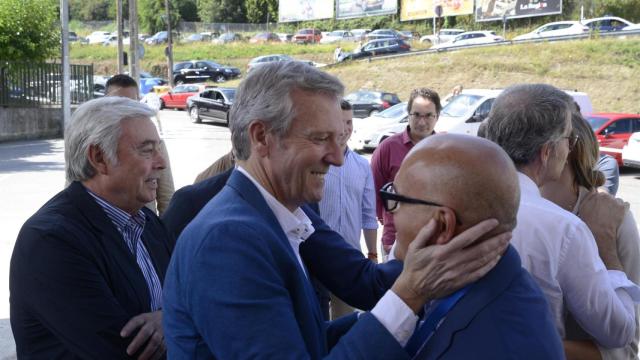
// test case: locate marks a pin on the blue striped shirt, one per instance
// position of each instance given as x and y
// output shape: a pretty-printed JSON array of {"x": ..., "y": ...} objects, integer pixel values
[
  {"x": 131, "y": 228},
  {"x": 349, "y": 201}
]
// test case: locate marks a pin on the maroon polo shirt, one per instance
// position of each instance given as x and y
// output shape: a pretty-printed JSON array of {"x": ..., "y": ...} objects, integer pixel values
[{"x": 385, "y": 164}]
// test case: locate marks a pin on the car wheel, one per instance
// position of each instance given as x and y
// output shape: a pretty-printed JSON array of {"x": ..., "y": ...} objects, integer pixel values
[
  {"x": 162, "y": 106},
  {"x": 194, "y": 114},
  {"x": 373, "y": 112},
  {"x": 219, "y": 78}
]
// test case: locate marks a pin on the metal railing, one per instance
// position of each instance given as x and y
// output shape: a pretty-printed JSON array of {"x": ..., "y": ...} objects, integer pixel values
[{"x": 39, "y": 84}]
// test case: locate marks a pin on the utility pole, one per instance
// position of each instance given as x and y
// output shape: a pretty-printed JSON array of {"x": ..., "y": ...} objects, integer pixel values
[
  {"x": 119, "y": 24},
  {"x": 133, "y": 40},
  {"x": 169, "y": 44},
  {"x": 66, "y": 68}
]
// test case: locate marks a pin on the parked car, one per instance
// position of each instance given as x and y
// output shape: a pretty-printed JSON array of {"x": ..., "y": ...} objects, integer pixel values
[
  {"x": 285, "y": 37},
  {"x": 98, "y": 37},
  {"x": 631, "y": 152},
  {"x": 442, "y": 36},
  {"x": 367, "y": 103},
  {"x": 464, "y": 112},
  {"x": 160, "y": 37},
  {"x": 73, "y": 36},
  {"x": 261, "y": 60},
  {"x": 198, "y": 37},
  {"x": 306, "y": 36},
  {"x": 367, "y": 131},
  {"x": 113, "y": 41},
  {"x": 227, "y": 38},
  {"x": 613, "y": 131},
  {"x": 336, "y": 36},
  {"x": 607, "y": 23},
  {"x": 264, "y": 37},
  {"x": 558, "y": 28},
  {"x": 377, "y": 47},
  {"x": 471, "y": 38},
  {"x": 384, "y": 34},
  {"x": 360, "y": 34},
  {"x": 176, "y": 98},
  {"x": 211, "y": 104},
  {"x": 202, "y": 70}
]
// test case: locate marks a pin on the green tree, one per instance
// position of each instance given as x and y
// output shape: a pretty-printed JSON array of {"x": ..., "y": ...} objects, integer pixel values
[
  {"x": 226, "y": 11},
  {"x": 151, "y": 14},
  {"x": 257, "y": 10},
  {"x": 188, "y": 10},
  {"x": 90, "y": 10},
  {"x": 29, "y": 29}
]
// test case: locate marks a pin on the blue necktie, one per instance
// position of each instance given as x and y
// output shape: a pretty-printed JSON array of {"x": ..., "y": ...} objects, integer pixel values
[{"x": 424, "y": 331}]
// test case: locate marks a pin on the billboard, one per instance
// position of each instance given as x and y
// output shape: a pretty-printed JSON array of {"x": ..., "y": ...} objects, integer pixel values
[
  {"x": 301, "y": 10},
  {"x": 487, "y": 10},
  {"x": 423, "y": 9},
  {"x": 358, "y": 8}
]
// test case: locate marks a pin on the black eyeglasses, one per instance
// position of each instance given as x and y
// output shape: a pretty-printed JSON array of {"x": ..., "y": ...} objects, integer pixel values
[
  {"x": 572, "y": 140},
  {"x": 428, "y": 116},
  {"x": 390, "y": 199}
]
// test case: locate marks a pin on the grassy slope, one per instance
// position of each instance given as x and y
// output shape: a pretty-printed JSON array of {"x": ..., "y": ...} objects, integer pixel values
[{"x": 608, "y": 70}]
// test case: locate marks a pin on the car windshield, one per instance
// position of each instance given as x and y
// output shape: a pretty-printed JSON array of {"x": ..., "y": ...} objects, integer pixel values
[
  {"x": 212, "y": 64},
  {"x": 229, "y": 93},
  {"x": 394, "y": 111},
  {"x": 459, "y": 105},
  {"x": 596, "y": 122},
  {"x": 336, "y": 33}
]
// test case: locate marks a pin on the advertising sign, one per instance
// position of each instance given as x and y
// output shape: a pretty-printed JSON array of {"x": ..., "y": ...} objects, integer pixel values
[
  {"x": 487, "y": 10},
  {"x": 359, "y": 8},
  {"x": 424, "y": 9},
  {"x": 301, "y": 10}
]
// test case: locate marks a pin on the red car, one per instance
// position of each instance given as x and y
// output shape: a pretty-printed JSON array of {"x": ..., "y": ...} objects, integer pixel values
[
  {"x": 613, "y": 131},
  {"x": 177, "y": 97},
  {"x": 306, "y": 36}
]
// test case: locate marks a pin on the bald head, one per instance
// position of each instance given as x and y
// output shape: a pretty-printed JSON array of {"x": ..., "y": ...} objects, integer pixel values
[{"x": 473, "y": 178}]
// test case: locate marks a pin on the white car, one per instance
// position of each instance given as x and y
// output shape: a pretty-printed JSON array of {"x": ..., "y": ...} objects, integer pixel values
[
  {"x": 98, "y": 37},
  {"x": 559, "y": 28},
  {"x": 464, "y": 113},
  {"x": 607, "y": 23},
  {"x": 631, "y": 152},
  {"x": 442, "y": 36},
  {"x": 471, "y": 38},
  {"x": 367, "y": 131},
  {"x": 336, "y": 36},
  {"x": 360, "y": 34}
]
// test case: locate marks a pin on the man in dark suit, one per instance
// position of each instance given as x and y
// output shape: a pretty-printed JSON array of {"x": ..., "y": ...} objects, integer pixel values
[
  {"x": 452, "y": 182},
  {"x": 237, "y": 286},
  {"x": 87, "y": 268}
]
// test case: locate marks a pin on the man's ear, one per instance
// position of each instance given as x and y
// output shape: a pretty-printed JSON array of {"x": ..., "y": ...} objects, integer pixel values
[
  {"x": 258, "y": 136},
  {"x": 98, "y": 160},
  {"x": 446, "y": 220},
  {"x": 545, "y": 154}
]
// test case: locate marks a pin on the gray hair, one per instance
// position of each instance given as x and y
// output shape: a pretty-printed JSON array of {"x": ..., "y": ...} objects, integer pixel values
[
  {"x": 97, "y": 122},
  {"x": 265, "y": 95},
  {"x": 527, "y": 116}
]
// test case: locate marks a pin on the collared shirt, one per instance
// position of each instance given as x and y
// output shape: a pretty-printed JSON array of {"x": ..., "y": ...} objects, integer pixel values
[
  {"x": 131, "y": 228},
  {"x": 348, "y": 203},
  {"x": 559, "y": 251},
  {"x": 296, "y": 225},
  {"x": 391, "y": 311},
  {"x": 385, "y": 164}
]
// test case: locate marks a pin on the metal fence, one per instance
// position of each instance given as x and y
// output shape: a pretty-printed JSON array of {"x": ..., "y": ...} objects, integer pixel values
[
  {"x": 36, "y": 84},
  {"x": 194, "y": 27}
]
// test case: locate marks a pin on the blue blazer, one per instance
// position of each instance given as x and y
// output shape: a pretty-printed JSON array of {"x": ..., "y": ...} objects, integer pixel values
[
  {"x": 235, "y": 290},
  {"x": 504, "y": 315},
  {"x": 74, "y": 283}
]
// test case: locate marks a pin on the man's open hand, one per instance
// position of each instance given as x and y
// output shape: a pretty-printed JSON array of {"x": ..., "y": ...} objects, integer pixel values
[{"x": 149, "y": 331}]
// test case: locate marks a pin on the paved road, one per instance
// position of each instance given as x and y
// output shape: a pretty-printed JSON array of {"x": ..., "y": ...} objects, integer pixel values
[{"x": 32, "y": 172}]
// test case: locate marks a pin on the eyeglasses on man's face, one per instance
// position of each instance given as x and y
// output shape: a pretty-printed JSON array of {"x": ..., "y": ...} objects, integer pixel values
[
  {"x": 427, "y": 116},
  {"x": 391, "y": 199}
]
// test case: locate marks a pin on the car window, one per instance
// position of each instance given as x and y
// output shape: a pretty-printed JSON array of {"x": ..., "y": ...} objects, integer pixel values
[
  {"x": 596, "y": 121},
  {"x": 619, "y": 127},
  {"x": 483, "y": 110},
  {"x": 207, "y": 94},
  {"x": 230, "y": 94},
  {"x": 387, "y": 97},
  {"x": 394, "y": 111},
  {"x": 178, "y": 89},
  {"x": 192, "y": 89},
  {"x": 459, "y": 105}
]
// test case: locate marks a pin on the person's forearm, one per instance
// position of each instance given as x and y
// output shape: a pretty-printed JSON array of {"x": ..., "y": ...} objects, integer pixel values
[
  {"x": 370, "y": 239},
  {"x": 581, "y": 350}
]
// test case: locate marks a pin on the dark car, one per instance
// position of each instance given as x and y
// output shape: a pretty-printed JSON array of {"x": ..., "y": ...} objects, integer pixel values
[
  {"x": 265, "y": 37},
  {"x": 202, "y": 70},
  {"x": 211, "y": 104},
  {"x": 264, "y": 59},
  {"x": 384, "y": 34},
  {"x": 366, "y": 103},
  {"x": 378, "y": 47}
]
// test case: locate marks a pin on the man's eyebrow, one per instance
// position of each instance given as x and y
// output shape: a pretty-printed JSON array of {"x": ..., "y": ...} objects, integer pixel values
[{"x": 147, "y": 142}]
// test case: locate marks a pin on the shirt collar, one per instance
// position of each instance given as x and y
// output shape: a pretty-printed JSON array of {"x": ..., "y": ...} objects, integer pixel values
[
  {"x": 406, "y": 136},
  {"x": 296, "y": 224},
  {"x": 119, "y": 217},
  {"x": 527, "y": 185}
]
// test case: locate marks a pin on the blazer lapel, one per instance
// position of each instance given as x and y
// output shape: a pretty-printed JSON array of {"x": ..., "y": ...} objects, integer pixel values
[
  {"x": 112, "y": 242},
  {"x": 479, "y": 295}
]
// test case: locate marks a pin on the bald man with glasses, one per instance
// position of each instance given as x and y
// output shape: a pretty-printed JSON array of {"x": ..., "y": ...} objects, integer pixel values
[{"x": 424, "y": 109}]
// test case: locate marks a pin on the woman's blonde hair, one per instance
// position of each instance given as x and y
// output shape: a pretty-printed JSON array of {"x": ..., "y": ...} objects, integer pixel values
[{"x": 585, "y": 154}]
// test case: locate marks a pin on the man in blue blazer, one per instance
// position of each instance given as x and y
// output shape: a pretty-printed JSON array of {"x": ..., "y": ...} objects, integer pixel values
[
  {"x": 87, "y": 268},
  {"x": 452, "y": 182},
  {"x": 237, "y": 286}
]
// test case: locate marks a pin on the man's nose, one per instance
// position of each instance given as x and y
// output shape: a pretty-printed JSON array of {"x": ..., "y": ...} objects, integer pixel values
[
  {"x": 335, "y": 155},
  {"x": 159, "y": 161}
]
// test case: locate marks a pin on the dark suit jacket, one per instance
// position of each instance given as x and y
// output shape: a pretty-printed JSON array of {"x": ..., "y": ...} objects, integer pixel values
[
  {"x": 74, "y": 283},
  {"x": 235, "y": 290},
  {"x": 502, "y": 316}
]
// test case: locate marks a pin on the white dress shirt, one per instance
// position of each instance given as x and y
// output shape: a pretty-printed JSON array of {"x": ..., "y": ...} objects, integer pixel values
[
  {"x": 391, "y": 311},
  {"x": 559, "y": 251}
]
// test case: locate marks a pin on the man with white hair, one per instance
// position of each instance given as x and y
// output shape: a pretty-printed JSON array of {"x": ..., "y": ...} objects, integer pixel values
[{"x": 87, "y": 268}]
